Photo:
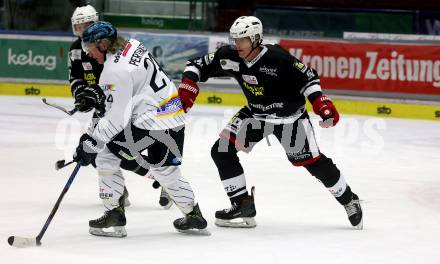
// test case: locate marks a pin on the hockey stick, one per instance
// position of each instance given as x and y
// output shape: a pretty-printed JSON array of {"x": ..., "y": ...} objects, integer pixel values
[
  {"x": 54, "y": 105},
  {"x": 22, "y": 242},
  {"x": 62, "y": 163}
]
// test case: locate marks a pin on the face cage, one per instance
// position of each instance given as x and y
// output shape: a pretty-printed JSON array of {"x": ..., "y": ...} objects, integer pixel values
[
  {"x": 83, "y": 20},
  {"x": 75, "y": 32}
]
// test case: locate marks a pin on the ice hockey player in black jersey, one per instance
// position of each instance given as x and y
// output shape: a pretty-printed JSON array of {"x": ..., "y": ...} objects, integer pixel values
[
  {"x": 84, "y": 73},
  {"x": 276, "y": 85}
]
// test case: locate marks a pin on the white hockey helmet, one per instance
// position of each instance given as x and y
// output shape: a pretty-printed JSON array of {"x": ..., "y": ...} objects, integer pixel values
[
  {"x": 247, "y": 26},
  {"x": 83, "y": 14}
]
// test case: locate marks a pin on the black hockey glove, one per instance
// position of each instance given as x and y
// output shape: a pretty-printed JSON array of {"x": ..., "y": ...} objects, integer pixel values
[
  {"x": 87, "y": 150},
  {"x": 77, "y": 88},
  {"x": 90, "y": 98}
]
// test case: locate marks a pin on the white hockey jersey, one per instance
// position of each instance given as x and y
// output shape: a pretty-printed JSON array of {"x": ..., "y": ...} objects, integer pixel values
[{"x": 137, "y": 91}]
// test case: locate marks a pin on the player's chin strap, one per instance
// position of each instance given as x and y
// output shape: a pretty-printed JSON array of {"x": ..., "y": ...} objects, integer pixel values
[{"x": 254, "y": 47}]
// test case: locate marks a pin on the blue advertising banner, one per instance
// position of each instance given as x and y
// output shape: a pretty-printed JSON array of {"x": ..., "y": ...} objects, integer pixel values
[{"x": 171, "y": 50}]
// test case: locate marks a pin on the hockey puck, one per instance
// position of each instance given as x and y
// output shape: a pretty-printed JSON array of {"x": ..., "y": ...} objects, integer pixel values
[{"x": 11, "y": 240}]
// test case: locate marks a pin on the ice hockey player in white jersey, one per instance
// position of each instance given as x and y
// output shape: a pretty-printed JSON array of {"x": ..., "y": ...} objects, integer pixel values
[
  {"x": 84, "y": 73},
  {"x": 139, "y": 109}
]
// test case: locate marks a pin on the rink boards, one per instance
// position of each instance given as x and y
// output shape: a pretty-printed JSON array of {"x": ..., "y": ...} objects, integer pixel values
[{"x": 357, "y": 106}]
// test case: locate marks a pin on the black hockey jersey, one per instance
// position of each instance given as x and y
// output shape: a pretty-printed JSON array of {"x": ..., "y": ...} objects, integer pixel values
[
  {"x": 82, "y": 68},
  {"x": 275, "y": 83}
]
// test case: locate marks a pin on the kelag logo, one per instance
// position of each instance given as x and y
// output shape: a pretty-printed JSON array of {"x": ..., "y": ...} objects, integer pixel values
[
  {"x": 48, "y": 62},
  {"x": 32, "y": 91},
  {"x": 383, "y": 110},
  {"x": 214, "y": 100}
]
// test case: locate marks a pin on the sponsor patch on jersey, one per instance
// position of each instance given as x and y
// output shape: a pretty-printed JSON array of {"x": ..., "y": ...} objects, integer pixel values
[
  {"x": 87, "y": 66},
  {"x": 250, "y": 79},
  {"x": 171, "y": 107},
  {"x": 75, "y": 54},
  {"x": 230, "y": 65},
  {"x": 300, "y": 66},
  {"x": 254, "y": 89},
  {"x": 310, "y": 75},
  {"x": 269, "y": 71},
  {"x": 108, "y": 87},
  {"x": 90, "y": 78},
  {"x": 209, "y": 58},
  {"x": 117, "y": 57}
]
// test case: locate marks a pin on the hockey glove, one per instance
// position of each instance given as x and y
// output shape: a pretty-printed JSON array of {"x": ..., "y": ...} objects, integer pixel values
[
  {"x": 87, "y": 150},
  {"x": 89, "y": 98},
  {"x": 188, "y": 91},
  {"x": 77, "y": 88},
  {"x": 324, "y": 107}
]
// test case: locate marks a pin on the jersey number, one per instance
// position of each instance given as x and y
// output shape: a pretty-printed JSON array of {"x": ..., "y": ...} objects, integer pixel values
[{"x": 153, "y": 83}]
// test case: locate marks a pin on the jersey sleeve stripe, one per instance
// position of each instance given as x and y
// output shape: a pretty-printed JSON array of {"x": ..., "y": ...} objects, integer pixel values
[
  {"x": 311, "y": 89},
  {"x": 193, "y": 69},
  {"x": 309, "y": 84}
]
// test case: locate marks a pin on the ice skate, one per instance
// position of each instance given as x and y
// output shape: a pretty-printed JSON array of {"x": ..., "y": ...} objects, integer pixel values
[
  {"x": 125, "y": 195},
  {"x": 192, "y": 223},
  {"x": 354, "y": 212},
  {"x": 114, "y": 219},
  {"x": 239, "y": 215},
  {"x": 165, "y": 200}
]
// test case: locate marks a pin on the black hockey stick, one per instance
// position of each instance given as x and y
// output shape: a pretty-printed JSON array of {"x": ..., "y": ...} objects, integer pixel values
[
  {"x": 62, "y": 163},
  {"x": 22, "y": 242},
  {"x": 59, "y": 107}
]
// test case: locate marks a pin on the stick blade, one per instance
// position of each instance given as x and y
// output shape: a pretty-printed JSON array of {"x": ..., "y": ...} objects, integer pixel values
[{"x": 22, "y": 242}]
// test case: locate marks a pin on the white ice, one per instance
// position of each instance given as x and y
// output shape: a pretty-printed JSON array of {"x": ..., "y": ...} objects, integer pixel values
[{"x": 392, "y": 164}]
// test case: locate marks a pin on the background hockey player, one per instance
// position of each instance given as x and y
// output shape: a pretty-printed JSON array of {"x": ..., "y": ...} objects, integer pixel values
[
  {"x": 275, "y": 84},
  {"x": 84, "y": 73},
  {"x": 139, "y": 109}
]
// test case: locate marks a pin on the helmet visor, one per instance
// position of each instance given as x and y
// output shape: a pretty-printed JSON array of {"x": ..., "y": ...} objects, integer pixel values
[
  {"x": 86, "y": 46},
  {"x": 239, "y": 41}
]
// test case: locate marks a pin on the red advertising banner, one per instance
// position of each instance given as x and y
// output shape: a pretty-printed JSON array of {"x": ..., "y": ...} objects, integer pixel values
[{"x": 374, "y": 67}]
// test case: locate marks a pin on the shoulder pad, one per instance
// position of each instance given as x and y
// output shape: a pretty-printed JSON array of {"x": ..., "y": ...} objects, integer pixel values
[
  {"x": 226, "y": 51},
  {"x": 76, "y": 44}
]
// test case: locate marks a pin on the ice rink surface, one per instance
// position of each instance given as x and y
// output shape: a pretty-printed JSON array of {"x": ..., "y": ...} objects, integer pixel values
[{"x": 392, "y": 164}]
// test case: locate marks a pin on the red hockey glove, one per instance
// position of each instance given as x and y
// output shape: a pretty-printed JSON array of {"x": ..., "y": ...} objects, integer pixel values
[
  {"x": 324, "y": 107},
  {"x": 188, "y": 91}
]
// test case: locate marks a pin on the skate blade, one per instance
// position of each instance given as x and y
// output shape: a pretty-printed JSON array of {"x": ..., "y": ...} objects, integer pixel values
[
  {"x": 196, "y": 232},
  {"x": 119, "y": 231},
  {"x": 360, "y": 226},
  {"x": 246, "y": 222}
]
